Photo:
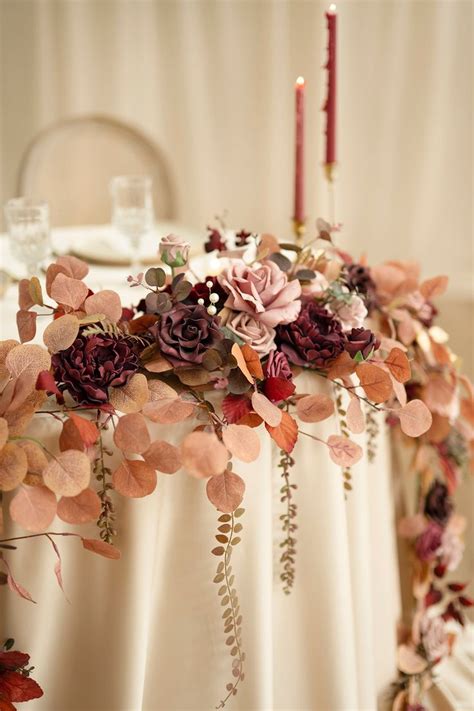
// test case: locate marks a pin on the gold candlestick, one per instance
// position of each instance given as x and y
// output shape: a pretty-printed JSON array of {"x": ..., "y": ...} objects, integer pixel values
[
  {"x": 330, "y": 173},
  {"x": 299, "y": 229}
]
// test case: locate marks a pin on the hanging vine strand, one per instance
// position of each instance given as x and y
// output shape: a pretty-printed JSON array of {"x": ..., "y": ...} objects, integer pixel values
[{"x": 288, "y": 544}]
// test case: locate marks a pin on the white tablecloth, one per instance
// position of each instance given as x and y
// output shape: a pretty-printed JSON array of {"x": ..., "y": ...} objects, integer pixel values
[{"x": 145, "y": 633}]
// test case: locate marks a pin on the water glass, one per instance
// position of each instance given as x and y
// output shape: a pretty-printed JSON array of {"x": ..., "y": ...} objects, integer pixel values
[
  {"x": 132, "y": 209},
  {"x": 28, "y": 230}
]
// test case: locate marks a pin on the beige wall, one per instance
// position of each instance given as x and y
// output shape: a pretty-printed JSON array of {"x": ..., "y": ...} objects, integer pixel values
[{"x": 211, "y": 83}]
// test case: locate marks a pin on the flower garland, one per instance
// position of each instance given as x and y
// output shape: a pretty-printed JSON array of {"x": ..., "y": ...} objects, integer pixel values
[{"x": 224, "y": 353}]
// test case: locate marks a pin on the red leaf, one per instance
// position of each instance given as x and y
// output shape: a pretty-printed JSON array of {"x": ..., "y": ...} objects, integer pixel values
[
  {"x": 13, "y": 660},
  {"x": 46, "y": 382},
  {"x": 285, "y": 434},
  {"x": 439, "y": 570},
  {"x": 26, "y": 324},
  {"x": 235, "y": 407},
  {"x": 466, "y": 601},
  {"x": 457, "y": 587},
  {"x": 433, "y": 597},
  {"x": 16, "y": 687},
  {"x": 278, "y": 389}
]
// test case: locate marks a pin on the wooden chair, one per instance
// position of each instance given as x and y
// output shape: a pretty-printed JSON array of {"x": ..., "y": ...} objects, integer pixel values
[{"x": 70, "y": 165}]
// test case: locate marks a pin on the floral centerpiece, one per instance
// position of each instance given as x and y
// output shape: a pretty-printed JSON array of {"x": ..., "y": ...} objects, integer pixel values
[{"x": 223, "y": 353}]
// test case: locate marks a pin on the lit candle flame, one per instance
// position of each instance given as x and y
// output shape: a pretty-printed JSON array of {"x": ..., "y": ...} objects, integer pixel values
[
  {"x": 332, "y": 8},
  {"x": 300, "y": 81}
]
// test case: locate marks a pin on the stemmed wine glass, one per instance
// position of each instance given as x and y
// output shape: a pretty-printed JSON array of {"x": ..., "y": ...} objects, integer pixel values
[
  {"x": 132, "y": 209},
  {"x": 28, "y": 230}
]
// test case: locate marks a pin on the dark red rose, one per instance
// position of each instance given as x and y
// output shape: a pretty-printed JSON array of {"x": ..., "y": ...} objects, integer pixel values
[
  {"x": 429, "y": 542},
  {"x": 314, "y": 340},
  {"x": 93, "y": 364},
  {"x": 241, "y": 238},
  {"x": 438, "y": 505},
  {"x": 361, "y": 340},
  {"x": 185, "y": 333}
]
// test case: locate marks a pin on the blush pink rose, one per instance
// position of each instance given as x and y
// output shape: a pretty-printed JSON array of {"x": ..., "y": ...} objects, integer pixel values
[
  {"x": 351, "y": 313},
  {"x": 264, "y": 292},
  {"x": 258, "y": 335}
]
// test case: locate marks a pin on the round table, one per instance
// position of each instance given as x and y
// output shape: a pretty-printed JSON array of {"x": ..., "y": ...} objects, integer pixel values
[{"x": 145, "y": 633}]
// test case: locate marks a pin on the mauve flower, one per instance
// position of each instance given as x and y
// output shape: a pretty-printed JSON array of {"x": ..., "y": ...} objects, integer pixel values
[
  {"x": 174, "y": 251},
  {"x": 428, "y": 543},
  {"x": 93, "y": 364},
  {"x": 314, "y": 340},
  {"x": 351, "y": 314},
  {"x": 425, "y": 311},
  {"x": 277, "y": 366},
  {"x": 185, "y": 333},
  {"x": 251, "y": 331},
  {"x": 434, "y": 637},
  {"x": 358, "y": 278},
  {"x": 264, "y": 292},
  {"x": 438, "y": 505},
  {"x": 361, "y": 340},
  {"x": 451, "y": 550}
]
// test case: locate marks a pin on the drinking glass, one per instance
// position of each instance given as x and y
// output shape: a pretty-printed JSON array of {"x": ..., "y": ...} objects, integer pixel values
[
  {"x": 28, "y": 230},
  {"x": 132, "y": 209}
]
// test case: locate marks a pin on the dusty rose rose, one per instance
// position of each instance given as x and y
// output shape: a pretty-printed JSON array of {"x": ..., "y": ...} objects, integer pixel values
[
  {"x": 434, "y": 637},
  {"x": 428, "y": 543},
  {"x": 451, "y": 550},
  {"x": 264, "y": 292},
  {"x": 351, "y": 314},
  {"x": 174, "y": 251},
  {"x": 185, "y": 333},
  {"x": 253, "y": 332},
  {"x": 314, "y": 288},
  {"x": 277, "y": 366}
]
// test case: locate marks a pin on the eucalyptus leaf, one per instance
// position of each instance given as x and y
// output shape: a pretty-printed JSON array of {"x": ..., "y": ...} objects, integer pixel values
[
  {"x": 155, "y": 276},
  {"x": 280, "y": 260}
]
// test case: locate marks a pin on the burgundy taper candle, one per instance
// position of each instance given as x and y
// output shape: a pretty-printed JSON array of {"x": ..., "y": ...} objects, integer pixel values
[
  {"x": 298, "y": 215},
  {"x": 330, "y": 105}
]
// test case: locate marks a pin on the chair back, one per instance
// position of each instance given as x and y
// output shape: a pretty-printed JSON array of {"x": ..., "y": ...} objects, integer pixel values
[{"x": 70, "y": 165}]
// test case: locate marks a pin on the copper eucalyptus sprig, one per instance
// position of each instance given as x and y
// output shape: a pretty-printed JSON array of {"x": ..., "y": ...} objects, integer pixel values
[
  {"x": 372, "y": 433},
  {"x": 346, "y": 471},
  {"x": 103, "y": 474},
  {"x": 227, "y": 536}
]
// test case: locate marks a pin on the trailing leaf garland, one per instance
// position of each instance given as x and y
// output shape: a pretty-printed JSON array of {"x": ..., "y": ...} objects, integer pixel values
[{"x": 223, "y": 354}]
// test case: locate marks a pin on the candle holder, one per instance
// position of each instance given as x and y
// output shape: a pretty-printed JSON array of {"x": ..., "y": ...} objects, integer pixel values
[
  {"x": 299, "y": 229},
  {"x": 330, "y": 173}
]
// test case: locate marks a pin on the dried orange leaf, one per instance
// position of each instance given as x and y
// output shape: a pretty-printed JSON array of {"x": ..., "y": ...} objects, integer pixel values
[
  {"x": 36, "y": 291},
  {"x": 163, "y": 456},
  {"x": 131, "y": 434},
  {"x": 399, "y": 365},
  {"x": 269, "y": 412},
  {"x": 27, "y": 358},
  {"x": 168, "y": 411},
  {"x": 355, "y": 417},
  {"x": 5, "y": 348},
  {"x": 73, "y": 266},
  {"x": 13, "y": 466},
  {"x": 68, "y": 291},
  {"x": 26, "y": 325},
  {"x": 25, "y": 299},
  {"x": 159, "y": 364},
  {"x": 16, "y": 588},
  {"x": 36, "y": 458},
  {"x": 88, "y": 431},
  {"x": 434, "y": 287},
  {"x": 226, "y": 491},
  {"x": 70, "y": 437},
  {"x": 242, "y": 442},
  {"x": 132, "y": 396},
  {"x": 68, "y": 473},
  {"x": 160, "y": 390},
  {"x": 286, "y": 434},
  {"x": 415, "y": 418},
  {"x": 241, "y": 362},
  {"x": 83, "y": 508},
  {"x": 203, "y": 454},
  {"x": 33, "y": 508},
  {"x": 61, "y": 333},
  {"x": 134, "y": 478},
  {"x": 315, "y": 408},
  {"x": 375, "y": 382},
  {"x": 343, "y": 451},
  {"x": 101, "y": 548},
  {"x": 104, "y": 302},
  {"x": 252, "y": 360},
  {"x": 341, "y": 367}
]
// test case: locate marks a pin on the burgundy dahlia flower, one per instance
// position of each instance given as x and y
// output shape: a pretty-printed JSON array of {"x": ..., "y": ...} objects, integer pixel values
[
  {"x": 185, "y": 333},
  {"x": 438, "y": 505},
  {"x": 314, "y": 340},
  {"x": 93, "y": 364},
  {"x": 361, "y": 340}
]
